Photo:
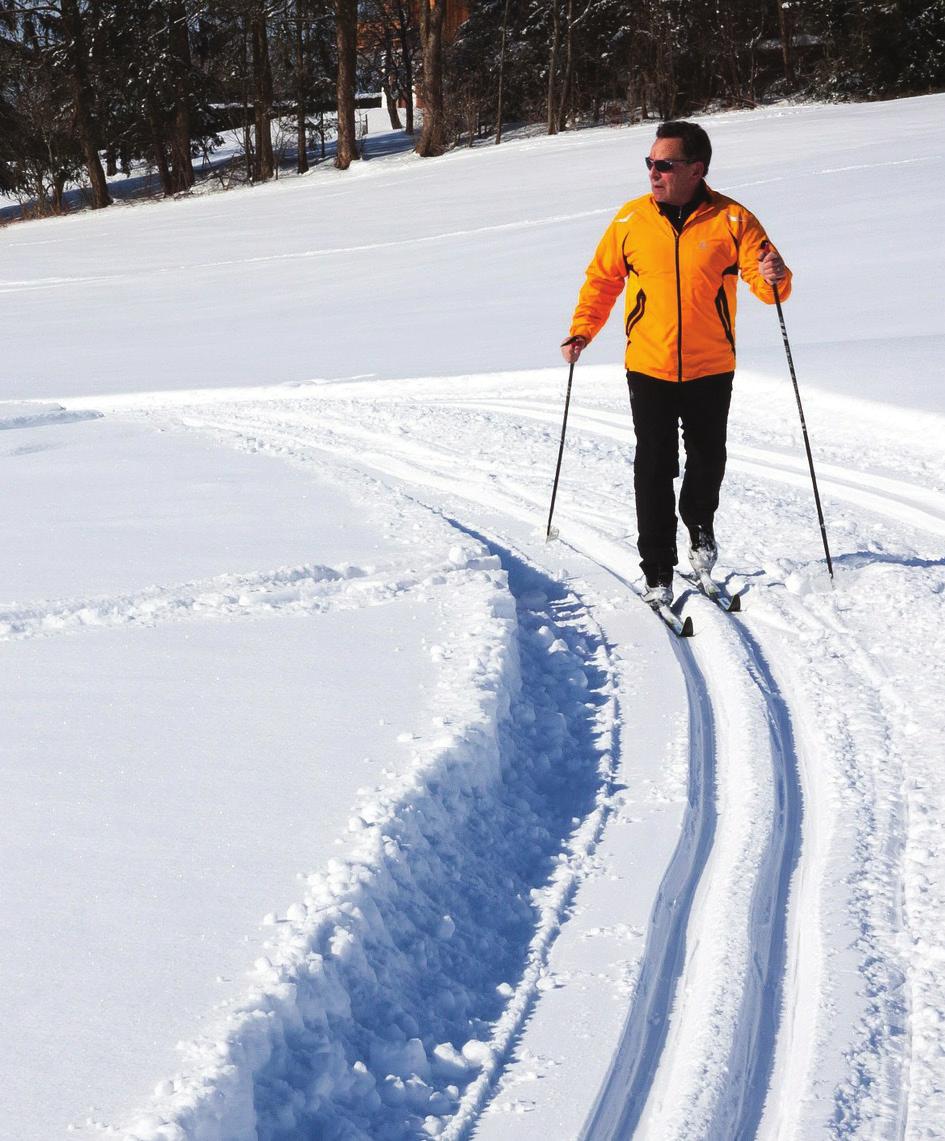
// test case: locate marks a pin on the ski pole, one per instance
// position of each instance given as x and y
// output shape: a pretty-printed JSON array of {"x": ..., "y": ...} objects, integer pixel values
[
  {"x": 552, "y": 532},
  {"x": 800, "y": 409}
]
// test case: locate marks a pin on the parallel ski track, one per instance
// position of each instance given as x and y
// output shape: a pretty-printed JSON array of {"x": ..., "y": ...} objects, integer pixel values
[
  {"x": 740, "y": 1105},
  {"x": 620, "y": 1102},
  {"x": 921, "y": 507},
  {"x": 752, "y": 1056},
  {"x": 752, "y": 1049}
]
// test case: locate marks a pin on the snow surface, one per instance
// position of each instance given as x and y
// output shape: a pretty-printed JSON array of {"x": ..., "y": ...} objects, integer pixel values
[{"x": 320, "y": 763}]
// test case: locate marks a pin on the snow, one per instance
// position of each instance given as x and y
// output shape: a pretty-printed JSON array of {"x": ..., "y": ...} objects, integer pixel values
[{"x": 337, "y": 801}]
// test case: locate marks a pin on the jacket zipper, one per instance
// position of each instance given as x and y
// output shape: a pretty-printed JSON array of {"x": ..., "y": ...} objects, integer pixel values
[{"x": 677, "y": 235}]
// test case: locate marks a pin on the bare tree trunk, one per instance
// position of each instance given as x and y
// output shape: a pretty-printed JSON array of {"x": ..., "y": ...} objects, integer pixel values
[
  {"x": 404, "y": 32},
  {"x": 82, "y": 102},
  {"x": 663, "y": 72},
  {"x": 389, "y": 82},
  {"x": 499, "y": 108},
  {"x": 301, "y": 133},
  {"x": 568, "y": 69},
  {"x": 249, "y": 150},
  {"x": 433, "y": 135},
  {"x": 42, "y": 207},
  {"x": 390, "y": 101},
  {"x": 58, "y": 189},
  {"x": 346, "y": 26},
  {"x": 160, "y": 161},
  {"x": 553, "y": 67},
  {"x": 786, "y": 26},
  {"x": 264, "y": 166},
  {"x": 158, "y": 144},
  {"x": 179, "y": 43}
]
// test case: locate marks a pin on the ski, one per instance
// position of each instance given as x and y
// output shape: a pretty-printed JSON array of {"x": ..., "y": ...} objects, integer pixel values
[
  {"x": 731, "y": 603},
  {"x": 681, "y": 627}
]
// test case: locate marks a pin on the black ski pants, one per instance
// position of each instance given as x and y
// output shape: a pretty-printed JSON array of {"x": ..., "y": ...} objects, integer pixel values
[{"x": 658, "y": 407}]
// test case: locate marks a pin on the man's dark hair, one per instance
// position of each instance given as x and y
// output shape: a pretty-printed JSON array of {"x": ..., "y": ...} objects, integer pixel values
[{"x": 696, "y": 145}]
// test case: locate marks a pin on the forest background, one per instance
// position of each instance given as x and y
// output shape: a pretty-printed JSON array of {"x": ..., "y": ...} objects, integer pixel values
[{"x": 91, "y": 88}]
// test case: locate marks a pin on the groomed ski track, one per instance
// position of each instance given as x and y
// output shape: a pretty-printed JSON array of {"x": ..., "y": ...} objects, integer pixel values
[{"x": 725, "y": 1036}]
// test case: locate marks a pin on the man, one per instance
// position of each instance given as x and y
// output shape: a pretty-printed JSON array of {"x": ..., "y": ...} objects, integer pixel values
[{"x": 679, "y": 251}]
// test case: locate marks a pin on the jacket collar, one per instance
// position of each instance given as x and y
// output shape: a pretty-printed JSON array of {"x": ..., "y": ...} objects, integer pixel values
[{"x": 678, "y": 215}]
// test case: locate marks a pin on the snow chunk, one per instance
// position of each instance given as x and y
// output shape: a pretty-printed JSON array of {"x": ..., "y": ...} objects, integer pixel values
[
  {"x": 468, "y": 556},
  {"x": 477, "y": 1053},
  {"x": 449, "y": 1063},
  {"x": 400, "y": 1060}
]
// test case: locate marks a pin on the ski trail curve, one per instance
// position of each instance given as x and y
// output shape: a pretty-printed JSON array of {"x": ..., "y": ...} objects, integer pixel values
[
  {"x": 775, "y": 999},
  {"x": 755, "y": 996}
]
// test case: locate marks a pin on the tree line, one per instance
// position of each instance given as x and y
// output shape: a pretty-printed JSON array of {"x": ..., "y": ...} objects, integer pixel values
[
  {"x": 90, "y": 87},
  {"x": 567, "y": 61}
]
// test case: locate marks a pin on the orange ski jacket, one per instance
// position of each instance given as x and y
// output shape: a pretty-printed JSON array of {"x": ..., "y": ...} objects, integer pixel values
[{"x": 679, "y": 310}]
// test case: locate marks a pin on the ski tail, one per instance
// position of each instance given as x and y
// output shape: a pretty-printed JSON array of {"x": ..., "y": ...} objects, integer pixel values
[
  {"x": 732, "y": 603},
  {"x": 681, "y": 627}
]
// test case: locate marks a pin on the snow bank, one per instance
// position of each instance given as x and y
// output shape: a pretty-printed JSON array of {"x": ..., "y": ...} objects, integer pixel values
[{"x": 379, "y": 1001}]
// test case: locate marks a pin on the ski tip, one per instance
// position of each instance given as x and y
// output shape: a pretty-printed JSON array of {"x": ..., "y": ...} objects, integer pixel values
[
  {"x": 736, "y": 604},
  {"x": 687, "y": 630}
]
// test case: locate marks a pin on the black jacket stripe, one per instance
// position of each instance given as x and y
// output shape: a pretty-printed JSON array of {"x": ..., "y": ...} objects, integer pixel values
[{"x": 636, "y": 312}]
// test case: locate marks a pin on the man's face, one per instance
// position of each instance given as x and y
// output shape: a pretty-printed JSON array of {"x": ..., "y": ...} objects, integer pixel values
[{"x": 677, "y": 186}]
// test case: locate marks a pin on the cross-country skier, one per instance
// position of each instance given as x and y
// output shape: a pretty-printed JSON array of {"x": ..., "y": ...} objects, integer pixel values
[{"x": 679, "y": 251}]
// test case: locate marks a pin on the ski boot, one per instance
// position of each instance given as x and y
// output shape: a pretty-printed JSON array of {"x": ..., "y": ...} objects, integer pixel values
[{"x": 703, "y": 552}]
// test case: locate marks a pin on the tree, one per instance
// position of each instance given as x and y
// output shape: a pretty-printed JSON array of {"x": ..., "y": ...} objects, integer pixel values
[
  {"x": 38, "y": 149},
  {"x": 346, "y": 21},
  {"x": 406, "y": 36},
  {"x": 301, "y": 76},
  {"x": 786, "y": 18},
  {"x": 433, "y": 134},
  {"x": 502, "y": 57},
  {"x": 149, "y": 89},
  {"x": 73, "y": 57},
  {"x": 179, "y": 64},
  {"x": 258, "y": 33},
  {"x": 554, "y": 44}
]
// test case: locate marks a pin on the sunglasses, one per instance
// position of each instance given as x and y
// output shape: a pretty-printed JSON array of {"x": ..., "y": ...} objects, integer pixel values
[{"x": 665, "y": 165}]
